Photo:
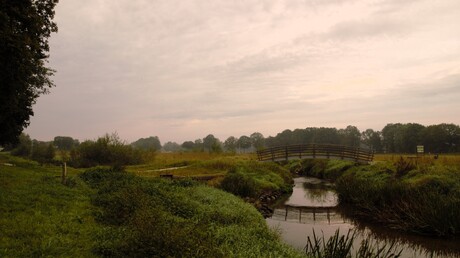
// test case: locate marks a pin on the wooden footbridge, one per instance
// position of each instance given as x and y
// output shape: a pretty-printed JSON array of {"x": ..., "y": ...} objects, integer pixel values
[{"x": 315, "y": 151}]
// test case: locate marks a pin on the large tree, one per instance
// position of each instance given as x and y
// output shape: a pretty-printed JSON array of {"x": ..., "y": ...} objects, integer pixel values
[
  {"x": 25, "y": 26},
  {"x": 257, "y": 140},
  {"x": 150, "y": 143}
]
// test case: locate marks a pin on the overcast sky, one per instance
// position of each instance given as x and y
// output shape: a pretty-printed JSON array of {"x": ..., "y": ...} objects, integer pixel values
[{"x": 182, "y": 69}]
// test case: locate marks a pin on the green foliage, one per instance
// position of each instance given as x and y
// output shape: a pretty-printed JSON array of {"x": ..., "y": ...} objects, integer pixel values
[
  {"x": 149, "y": 144},
  {"x": 169, "y": 218},
  {"x": 324, "y": 169},
  {"x": 404, "y": 166},
  {"x": 43, "y": 152},
  {"x": 23, "y": 147},
  {"x": 25, "y": 27},
  {"x": 65, "y": 143},
  {"x": 106, "y": 150},
  {"x": 212, "y": 144},
  {"x": 421, "y": 201},
  {"x": 172, "y": 147},
  {"x": 251, "y": 178},
  {"x": 230, "y": 144},
  {"x": 240, "y": 184},
  {"x": 257, "y": 140},
  {"x": 244, "y": 142},
  {"x": 341, "y": 246},
  {"x": 40, "y": 217}
]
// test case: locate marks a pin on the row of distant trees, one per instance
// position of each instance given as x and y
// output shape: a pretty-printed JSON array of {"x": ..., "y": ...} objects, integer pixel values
[{"x": 393, "y": 138}]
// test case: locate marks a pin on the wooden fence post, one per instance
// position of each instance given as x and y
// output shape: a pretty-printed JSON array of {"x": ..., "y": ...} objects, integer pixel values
[{"x": 64, "y": 173}]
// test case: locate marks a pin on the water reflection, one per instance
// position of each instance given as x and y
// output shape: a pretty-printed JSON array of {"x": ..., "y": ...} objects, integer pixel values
[
  {"x": 311, "y": 192},
  {"x": 313, "y": 206}
]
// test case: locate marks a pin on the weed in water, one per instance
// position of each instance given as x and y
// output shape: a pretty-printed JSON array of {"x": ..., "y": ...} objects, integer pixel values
[{"x": 341, "y": 246}]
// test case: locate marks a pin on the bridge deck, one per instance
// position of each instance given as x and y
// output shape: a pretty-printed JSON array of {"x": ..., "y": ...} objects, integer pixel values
[{"x": 315, "y": 151}]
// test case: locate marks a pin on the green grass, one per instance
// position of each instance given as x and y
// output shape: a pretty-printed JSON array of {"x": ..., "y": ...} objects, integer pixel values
[
  {"x": 161, "y": 218},
  {"x": 262, "y": 177},
  {"x": 341, "y": 246},
  {"x": 107, "y": 213},
  {"x": 39, "y": 215},
  {"x": 423, "y": 198}
]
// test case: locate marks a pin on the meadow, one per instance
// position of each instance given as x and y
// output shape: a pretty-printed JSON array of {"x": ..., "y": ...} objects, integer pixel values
[
  {"x": 132, "y": 211},
  {"x": 108, "y": 212}
]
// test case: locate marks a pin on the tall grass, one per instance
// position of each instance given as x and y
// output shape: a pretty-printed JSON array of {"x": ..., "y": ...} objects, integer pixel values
[
  {"x": 178, "y": 218},
  {"x": 40, "y": 217},
  {"x": 341, "y": 246},
  {"x": 423, "y": 199}
]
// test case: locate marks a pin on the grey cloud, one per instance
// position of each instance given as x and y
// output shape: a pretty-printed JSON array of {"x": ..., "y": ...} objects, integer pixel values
[
  {"x": 412, "y": 98},
  {"x": 263, "y": 63},
  {"x": 445, "y": 88},
  {"x": 355, "y": 30},
  {"x": 387, "y": 7}
]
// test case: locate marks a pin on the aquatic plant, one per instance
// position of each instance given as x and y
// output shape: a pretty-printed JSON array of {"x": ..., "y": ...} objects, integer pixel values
[{"x": 341, "y": 246}]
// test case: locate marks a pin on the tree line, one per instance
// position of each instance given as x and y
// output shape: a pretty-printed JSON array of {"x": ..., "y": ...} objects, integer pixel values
[
  {"x": 108, "y": 149},
  {"x": 393, "y": 138}
]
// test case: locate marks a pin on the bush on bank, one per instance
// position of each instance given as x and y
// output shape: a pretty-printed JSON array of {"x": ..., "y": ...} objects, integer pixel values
[
  {"x": 252, "y": 178},
  {"x": 106, "y": 150},
  {"x": 169, "y": 218},
  {"x": 423, "y": 200}
]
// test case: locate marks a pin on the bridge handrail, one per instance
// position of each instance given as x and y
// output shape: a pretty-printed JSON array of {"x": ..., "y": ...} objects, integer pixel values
[{"x": 324, "y": 151}]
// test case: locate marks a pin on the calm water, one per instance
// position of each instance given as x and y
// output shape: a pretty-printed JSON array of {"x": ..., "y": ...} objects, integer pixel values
[{"x": 312, "y": 206}]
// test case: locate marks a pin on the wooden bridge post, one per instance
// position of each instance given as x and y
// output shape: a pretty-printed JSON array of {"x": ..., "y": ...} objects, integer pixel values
[{"x": 286, "y": 153}]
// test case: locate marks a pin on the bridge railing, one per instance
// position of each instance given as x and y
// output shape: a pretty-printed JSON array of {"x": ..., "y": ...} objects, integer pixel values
[{"x": 315, "y": 151}]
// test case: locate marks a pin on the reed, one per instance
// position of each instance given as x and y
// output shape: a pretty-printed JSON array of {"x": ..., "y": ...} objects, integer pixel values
[
  {"x": 423, "y": 200},
  {"x": 342, "y": 246}
]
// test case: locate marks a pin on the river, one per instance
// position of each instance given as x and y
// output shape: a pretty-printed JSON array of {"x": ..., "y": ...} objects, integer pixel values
[{"x": 312, "y": 206}]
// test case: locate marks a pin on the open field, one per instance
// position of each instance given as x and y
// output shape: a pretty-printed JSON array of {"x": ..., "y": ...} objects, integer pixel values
[{"x": 443, "y": 159}]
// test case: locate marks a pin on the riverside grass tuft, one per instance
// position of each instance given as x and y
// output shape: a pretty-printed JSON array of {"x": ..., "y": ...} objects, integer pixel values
[{"x": 341, "y": 246}]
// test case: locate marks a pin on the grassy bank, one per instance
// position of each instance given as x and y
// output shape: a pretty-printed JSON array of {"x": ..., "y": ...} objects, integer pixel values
[
  {"x": 39, "y": 215},
  {"x": 157, "y": 217},
  {"x": 419, "y": 195},
  {"x": 241, "y": 175},
  {"x": 423, "y": 199},
  {"x": 112, "y": 213}
]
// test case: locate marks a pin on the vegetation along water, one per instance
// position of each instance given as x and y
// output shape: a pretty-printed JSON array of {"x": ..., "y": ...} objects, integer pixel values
[{"x": 132, "y": 211}]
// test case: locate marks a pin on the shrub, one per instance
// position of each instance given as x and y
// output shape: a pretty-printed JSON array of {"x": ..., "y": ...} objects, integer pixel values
[
  {"x": 238, "y": 183},
  {"x": 106, "y": 150},
  {"x": 43, "y": 152},
  {"x": 169, "y": 218},
  {"x": 404, "y": 166},
  {"x": 23, "y": 147},
  {"x": 418, "y": 202}
]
